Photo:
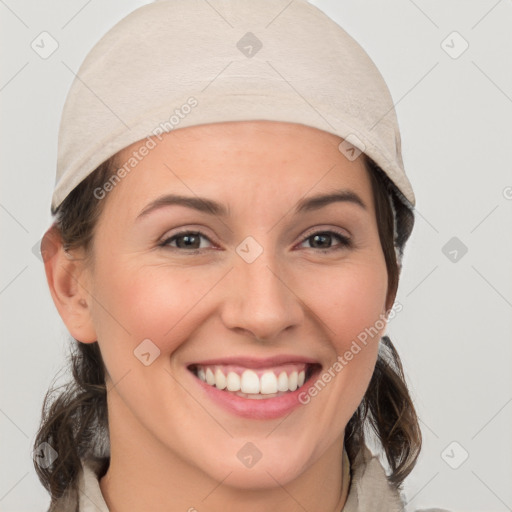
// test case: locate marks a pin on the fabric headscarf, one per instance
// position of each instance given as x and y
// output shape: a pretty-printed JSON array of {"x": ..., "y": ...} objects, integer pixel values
[{"x": 177, "y": 63}]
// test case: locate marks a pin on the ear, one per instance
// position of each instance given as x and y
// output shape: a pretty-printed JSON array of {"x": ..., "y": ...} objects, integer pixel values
[{"x": 66, "y": 275}]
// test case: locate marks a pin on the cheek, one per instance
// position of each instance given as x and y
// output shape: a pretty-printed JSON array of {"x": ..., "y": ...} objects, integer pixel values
[
  {"x": 163, "y": 304},
  {"x": 349, "y": 299},
  {"x": 350, "y": 305},
  {"x": 153, "y": 302}
]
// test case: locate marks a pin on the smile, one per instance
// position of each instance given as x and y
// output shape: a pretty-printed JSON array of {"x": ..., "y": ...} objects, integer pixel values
[
  {"x": 248, "y": 381},
  {"x": 255, "y": 390}
]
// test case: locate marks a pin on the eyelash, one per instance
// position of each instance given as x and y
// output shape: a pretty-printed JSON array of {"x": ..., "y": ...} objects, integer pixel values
[{"x": 346, "y": 243}]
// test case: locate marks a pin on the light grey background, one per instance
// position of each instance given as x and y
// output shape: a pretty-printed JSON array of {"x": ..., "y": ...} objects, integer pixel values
[{"x": 454, "y": 333}]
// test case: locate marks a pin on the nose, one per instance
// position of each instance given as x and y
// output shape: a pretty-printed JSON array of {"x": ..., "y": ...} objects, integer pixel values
[{"x": 260, "y": 298}]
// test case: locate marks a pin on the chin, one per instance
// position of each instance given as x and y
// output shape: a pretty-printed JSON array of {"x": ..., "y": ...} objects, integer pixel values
[
  {"x": 258, "y": 479},
  {"x": 266, "y": 473}
]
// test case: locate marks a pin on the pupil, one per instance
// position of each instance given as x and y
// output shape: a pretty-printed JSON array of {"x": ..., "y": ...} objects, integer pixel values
[
  {"x": 188, "y": 240},
  {"x": 317, "y": 237}
]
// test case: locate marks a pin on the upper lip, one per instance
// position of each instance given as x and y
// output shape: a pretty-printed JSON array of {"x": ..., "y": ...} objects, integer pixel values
[{"x": 254, "y": 362}]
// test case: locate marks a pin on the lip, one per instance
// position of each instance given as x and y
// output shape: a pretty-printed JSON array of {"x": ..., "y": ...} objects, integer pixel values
[
  {"x": 255, "y": 409},
  {"x": 254, "y": 362}
]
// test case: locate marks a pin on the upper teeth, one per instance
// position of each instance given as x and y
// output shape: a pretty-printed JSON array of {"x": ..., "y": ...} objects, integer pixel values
[{"x": 249, "y": 382}]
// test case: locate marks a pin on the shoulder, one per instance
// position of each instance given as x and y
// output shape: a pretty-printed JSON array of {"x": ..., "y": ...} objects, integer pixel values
[
  {"x": 91, "y": 499},
  {"x": 370, "y": 488},
  {"x": 85, "y": 495}
]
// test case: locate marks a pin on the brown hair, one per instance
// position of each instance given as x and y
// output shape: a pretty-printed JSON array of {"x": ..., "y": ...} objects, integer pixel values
[
  {"x": 75, "y": 421},
  {"x": 387, "y": 408}
]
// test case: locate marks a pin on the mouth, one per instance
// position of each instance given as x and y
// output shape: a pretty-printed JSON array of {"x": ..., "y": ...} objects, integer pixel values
[{"x": 253, "y": 380}]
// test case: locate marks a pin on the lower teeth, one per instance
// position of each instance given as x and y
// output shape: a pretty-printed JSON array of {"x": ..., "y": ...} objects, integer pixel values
[{"x": 257, "y": 396}]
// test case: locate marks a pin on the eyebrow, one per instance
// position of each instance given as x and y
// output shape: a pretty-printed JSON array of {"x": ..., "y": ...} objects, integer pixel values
[{"x": 205, "y": 205}]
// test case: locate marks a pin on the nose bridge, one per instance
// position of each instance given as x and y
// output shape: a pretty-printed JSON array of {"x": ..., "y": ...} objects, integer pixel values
[{"x": 260, "y": 301}]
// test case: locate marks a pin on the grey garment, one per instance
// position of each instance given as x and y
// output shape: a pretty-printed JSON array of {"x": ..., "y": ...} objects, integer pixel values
[{"x": 369, "y": 489}]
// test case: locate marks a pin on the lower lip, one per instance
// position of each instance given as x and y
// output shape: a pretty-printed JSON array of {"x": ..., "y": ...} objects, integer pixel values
[{"x": 256, "y": 409}]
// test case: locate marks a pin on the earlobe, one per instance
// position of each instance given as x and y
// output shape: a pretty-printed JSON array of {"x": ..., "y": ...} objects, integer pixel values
[{"x": 65, "y": 273}]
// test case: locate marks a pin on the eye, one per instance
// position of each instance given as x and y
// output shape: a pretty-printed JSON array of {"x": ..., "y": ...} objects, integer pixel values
[
  {"x": 321, "y": 239},
  {"x": 185, "y": 240}
]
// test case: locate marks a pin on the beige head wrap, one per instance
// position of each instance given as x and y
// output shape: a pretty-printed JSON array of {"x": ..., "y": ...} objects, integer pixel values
[{"x": 178, "y": 63}]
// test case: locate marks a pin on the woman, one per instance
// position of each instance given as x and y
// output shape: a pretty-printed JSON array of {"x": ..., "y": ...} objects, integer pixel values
[{"x": 231, "y": 212}]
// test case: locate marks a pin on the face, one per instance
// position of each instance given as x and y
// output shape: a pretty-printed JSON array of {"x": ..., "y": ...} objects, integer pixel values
[{"x": 256, "y": 287}]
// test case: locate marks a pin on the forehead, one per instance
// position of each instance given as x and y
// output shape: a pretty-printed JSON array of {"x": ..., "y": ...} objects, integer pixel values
[{"x": 263, "y": 160}]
